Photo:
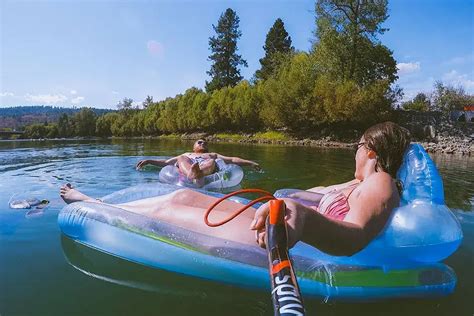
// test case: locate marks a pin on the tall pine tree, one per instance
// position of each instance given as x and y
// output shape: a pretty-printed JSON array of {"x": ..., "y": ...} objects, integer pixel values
[
  {"x": 225, "y": 68},
  {"x": 277, "y": 47}
]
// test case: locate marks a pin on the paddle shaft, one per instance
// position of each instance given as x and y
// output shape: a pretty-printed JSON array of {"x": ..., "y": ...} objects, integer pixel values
[{"x": 286, "y": 296}]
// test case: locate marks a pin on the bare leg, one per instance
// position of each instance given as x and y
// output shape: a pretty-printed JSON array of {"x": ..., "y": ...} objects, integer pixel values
[
  {"x": 70, "y": 195},
  {"x": 208, "y": 167},
  {"x": 185, "y": 208},
  {"x": 190, "y": 169}
]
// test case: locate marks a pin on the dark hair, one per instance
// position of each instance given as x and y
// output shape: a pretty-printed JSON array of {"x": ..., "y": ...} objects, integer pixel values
[{"x": 389, "y": 141}]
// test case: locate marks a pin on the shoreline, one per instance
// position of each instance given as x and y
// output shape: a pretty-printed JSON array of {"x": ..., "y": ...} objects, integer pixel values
[{"x": 450, "y": 145}]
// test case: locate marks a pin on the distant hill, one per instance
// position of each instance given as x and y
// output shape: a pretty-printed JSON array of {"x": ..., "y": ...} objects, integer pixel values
[{"x": 19, "y": 116}]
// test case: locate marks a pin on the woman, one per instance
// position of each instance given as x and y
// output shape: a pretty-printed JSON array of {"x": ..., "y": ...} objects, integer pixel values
[{"x": 348, "y": 217}]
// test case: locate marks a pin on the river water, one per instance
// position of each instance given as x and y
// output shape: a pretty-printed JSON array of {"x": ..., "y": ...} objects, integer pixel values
[{"x": 44, "y": 273}]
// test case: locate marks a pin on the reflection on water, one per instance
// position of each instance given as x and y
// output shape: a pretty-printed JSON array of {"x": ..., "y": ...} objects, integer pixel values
[{"x": 33, "y": 267}]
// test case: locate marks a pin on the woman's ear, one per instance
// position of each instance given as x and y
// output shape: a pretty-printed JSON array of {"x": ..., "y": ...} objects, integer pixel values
[{"x": 371, "y": 154}]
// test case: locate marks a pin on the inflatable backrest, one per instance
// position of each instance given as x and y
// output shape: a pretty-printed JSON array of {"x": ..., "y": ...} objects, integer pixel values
[{"x": 421, "y": 180}]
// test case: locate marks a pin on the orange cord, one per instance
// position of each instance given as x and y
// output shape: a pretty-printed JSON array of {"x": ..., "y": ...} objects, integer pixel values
[{"x": 267, "y": 196}]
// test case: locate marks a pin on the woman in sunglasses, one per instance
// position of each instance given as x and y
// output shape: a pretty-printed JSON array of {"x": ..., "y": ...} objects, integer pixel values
[
  {"x": 340, "y": 219},
  {"x": 199, "y": 163}
]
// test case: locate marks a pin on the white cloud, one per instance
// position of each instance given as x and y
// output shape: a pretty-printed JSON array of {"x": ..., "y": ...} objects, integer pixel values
[
  {"x": 77, "y": 100},
  {"x": 73, "y": 92},
  {"x": 115, "y": 92},
  {"x": 459, "y": 60},
  {"x": 46, "y": 98},
  {"x": 7, "y": 94},
  {"x": 455, "y": 78},
  {"x": 155, "y": 48},
  {"x": 406, "y": 68}
]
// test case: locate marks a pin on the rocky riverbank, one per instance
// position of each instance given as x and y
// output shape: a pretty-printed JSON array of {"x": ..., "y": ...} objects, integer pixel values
[{"x": 448, "y": 139}]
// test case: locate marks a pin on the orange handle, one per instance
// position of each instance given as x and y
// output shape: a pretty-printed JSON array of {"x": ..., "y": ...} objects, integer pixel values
[{"x": 277, "y": 212}]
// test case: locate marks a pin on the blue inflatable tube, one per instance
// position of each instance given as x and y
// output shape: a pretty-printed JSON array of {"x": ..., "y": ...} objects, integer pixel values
[
  {"x": 365, "y": 276},
  {"x": 227, "y": 176}
]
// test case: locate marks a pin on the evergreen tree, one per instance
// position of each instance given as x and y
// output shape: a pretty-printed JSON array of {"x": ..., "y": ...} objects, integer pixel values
[
  {"x": 225, "y": 68},
  {"x": 277, "y": 47}
]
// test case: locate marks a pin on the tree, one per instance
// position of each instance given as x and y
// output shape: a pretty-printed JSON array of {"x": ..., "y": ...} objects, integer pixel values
[
  {"x": 420, "y": 102},
  {"x": 64, "y": 127},
  {"x": 126, "y": 106},
  {"x": 448, "y": 98},
  {"x": 85, "y": 122},
  {"x": 148, "y": 101},
  {"x": 347, "y": 43},
  {"x": 277, "y": 47},
  {"x": 104, "y": 124},
  {"x": 225, "y": 68}
]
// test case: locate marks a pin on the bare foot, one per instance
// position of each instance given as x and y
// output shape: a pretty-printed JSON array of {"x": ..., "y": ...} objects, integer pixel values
[
  {"x": 70, "y": 195},
  {"x": 195, "y": 172}
]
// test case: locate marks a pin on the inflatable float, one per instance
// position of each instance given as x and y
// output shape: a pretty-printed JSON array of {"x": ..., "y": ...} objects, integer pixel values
[
  {"x": 403, "y": 261},
  {"x": 226, "y": 176}
]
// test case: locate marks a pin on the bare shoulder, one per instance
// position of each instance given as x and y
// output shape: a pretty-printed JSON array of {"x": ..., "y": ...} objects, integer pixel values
[
  {"x": 379, "y": 184},
  {"x": 376, "y": 196}
]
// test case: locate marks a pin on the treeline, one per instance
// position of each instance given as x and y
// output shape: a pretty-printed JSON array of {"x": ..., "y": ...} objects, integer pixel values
[
  {"x": 443, "y": 98},
  {"x": 52, "y": 111},
  {"x": 83, "y": 123},
  {"x": 19, "y": 117},
  {"x": 344, "y": 82}
]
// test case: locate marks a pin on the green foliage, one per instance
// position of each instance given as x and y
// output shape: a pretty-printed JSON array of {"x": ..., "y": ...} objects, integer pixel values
[
  {"x": 36, "y": 131},
  {"x": 225, "y": 60},
  {"x": 85, "y": 122},
  {"x": 448, "y": 98},
  {"x": 347, "y": 104},
  {"x": 277, "y": 49},
  {"x": 104, "y": 124},
  {"x": 287, "y": 98},
  {"x": 419, "y": 103},
  {"x": 347, "y": 46},
  {"x": 271, "y": 135},
  {"x": 64, "y": 126}
]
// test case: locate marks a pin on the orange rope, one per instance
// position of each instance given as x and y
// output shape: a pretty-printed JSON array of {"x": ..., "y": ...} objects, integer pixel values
[{"x": 267, "y": 196}]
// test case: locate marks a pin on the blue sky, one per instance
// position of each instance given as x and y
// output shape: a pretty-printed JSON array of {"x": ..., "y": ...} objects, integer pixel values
[{"x": 96, "y": 52}]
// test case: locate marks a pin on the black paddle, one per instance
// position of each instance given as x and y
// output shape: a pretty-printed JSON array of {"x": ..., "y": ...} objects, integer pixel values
[{"x": 286, "y": 295}]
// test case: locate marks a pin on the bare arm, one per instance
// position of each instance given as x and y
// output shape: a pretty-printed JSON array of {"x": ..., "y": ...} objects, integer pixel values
[
  {"x": 369, "y": 213},
  {"x": 239, "y": 161},
  {"x": 156, "y": 162}
]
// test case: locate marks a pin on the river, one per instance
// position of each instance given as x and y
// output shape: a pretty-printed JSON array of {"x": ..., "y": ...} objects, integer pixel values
[{"x": 44, "y": 273}]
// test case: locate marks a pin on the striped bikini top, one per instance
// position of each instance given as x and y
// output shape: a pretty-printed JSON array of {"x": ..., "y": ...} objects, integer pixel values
[{"x": 335, "y": 204}]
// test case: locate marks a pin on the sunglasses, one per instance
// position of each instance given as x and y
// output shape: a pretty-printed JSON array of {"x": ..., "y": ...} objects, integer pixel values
[
  {"x": 356, "y": 147},
  {"x": 201, "y": 142}
]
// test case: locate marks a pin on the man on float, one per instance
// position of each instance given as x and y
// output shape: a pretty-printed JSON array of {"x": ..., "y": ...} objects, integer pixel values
[{"x": 199, "y": 163}]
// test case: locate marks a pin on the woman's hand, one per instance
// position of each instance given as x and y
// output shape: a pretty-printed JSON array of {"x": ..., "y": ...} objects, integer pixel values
[
  {"x": 142, "y": 163},
  {"x": 295, "y": 220}
]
